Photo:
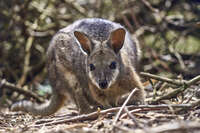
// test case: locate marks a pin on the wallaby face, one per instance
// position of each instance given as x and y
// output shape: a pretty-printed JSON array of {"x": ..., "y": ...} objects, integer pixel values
[
  {"x": 103, "y": 64},
  {"x": 103, "y": 68}
]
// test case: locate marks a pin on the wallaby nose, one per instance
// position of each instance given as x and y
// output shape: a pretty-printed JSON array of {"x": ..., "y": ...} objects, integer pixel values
[{"x": 103, "y": 84}]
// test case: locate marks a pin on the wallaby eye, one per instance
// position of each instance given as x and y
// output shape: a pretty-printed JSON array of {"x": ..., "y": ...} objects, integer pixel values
[
  {"x": 92, "y": 67},
  {"x": 113, "y": 65}
]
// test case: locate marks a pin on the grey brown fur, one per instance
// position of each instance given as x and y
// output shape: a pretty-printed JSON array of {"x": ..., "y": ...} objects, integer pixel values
[{"x": 93, "y": 62}]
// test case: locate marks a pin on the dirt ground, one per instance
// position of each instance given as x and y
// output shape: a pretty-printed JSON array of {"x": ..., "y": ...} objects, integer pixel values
[{"x": 174, "y": 116}]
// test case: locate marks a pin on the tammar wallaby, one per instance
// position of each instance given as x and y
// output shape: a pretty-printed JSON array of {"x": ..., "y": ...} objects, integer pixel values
[{"x": 93, "y": 62}]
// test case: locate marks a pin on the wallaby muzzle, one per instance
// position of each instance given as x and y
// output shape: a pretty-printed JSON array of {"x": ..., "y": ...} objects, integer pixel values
[{"x": 103, "y": 84}]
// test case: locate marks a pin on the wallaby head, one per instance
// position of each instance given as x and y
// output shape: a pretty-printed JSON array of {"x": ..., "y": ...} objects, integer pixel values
[{"x": 103, "y": 60}]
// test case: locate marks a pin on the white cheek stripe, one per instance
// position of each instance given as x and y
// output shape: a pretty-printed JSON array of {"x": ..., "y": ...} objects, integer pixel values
[
  {"x": 114, "y": 78},
  {"x": 93, "y": 80}
]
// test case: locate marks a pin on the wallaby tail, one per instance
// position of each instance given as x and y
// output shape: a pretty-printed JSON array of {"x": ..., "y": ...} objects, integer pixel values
[{"x": 44, "y": 109}]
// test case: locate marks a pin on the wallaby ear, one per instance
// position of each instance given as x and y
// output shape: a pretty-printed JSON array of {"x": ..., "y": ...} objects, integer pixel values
[
  {"x": 84, "y": 41},
  {"x": 117, "y": 39}
]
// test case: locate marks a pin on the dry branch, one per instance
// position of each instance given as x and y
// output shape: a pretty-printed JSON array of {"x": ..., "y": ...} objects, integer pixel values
[
  {"x": 172, "y": 81},
  {"x": 183, "y": 84},
  {"x": 123, "y": 106},
  {"x": 108, "y": 112},
  {"x": 164, "y": 79},
  {"x": 26, "y": 67},
  {"x": 13, "y": 87}
]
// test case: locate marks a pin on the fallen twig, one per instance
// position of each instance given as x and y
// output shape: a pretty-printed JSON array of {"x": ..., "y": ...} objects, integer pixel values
[
  {"x": 172, "y": 81},
  {"x": 123, "y": 106},
  {"x": 129, "y": 113},
  {"x": 170, "y": 95},
  {"x": 8, "y": 85},
  {"x": 164, "y": 79},
  {"x": 184, "y": 84},
  {"x": 84, "y": 117},
  {"x": 95, "y": 115},
  {"x": 27, "y": 67}
]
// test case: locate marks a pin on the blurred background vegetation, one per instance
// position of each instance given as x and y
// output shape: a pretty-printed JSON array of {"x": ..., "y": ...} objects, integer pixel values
[{"x": 168, "y": 31}]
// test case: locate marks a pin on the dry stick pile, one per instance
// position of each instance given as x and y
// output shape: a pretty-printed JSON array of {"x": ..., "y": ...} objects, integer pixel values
[
  {"x": 129, "y": 110},
  {"x": 95, "y": 115},
  {"x": 182, "y": 84},
  {"x": 133, "y": 108}
]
